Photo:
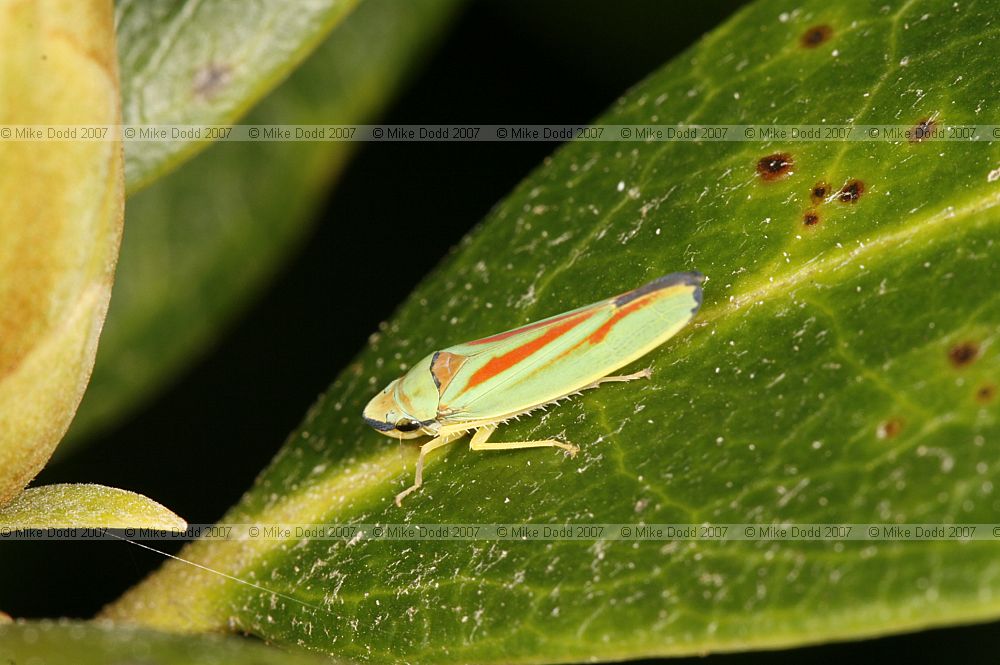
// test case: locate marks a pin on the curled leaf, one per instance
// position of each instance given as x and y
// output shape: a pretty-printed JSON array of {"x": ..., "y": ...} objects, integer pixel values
[{"x": 60, "y": 222}]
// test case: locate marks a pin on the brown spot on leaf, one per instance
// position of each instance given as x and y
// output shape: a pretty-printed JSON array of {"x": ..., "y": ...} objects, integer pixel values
[
  {"x": 211, "y": 79},
  {"x": 775, "y": 166},
  {"x": 986, "y": 393},
  {"x": 816, "y": 35},
  {"x": 890, "y": 428},
  {"x": 922, "y": 130},
  {"x": 811, "y": 218},
  {"x": 819, "y": 192},
  {"x": 962, "y": 354},
  {"x": 851, "y": 191}
]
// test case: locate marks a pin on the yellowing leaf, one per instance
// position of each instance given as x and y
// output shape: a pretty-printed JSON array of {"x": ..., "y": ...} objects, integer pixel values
[
  {"x": 60, "y": 222},
  {"x": 86, "y": 506}
]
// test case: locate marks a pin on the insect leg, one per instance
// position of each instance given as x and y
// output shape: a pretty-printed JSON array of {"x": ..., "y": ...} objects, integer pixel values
[
  {"x": 480, "y": 441},
  {"x": 433, "y": 444},
  {"x": 641, "y": 374}
]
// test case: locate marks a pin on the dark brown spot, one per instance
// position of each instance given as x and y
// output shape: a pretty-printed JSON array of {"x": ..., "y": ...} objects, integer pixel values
[
  {"x": 890, "y": 428},
  {"x": 962, "y": 354},
  {"x": 922, "y": 130},
  {"x": 775, "y": 166},
  {"x": 816, "y": 35},
  {"x": 986, "y": 393},
  {"x": 811, "y": 218},
  {"x": 851, "y": 192},
  {"x": 819, "y": 192},
  {"x": 211, "y": 79}
]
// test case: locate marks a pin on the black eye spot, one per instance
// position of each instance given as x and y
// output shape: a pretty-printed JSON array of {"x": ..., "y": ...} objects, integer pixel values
[
  {"x": 816, "y": 35},
  {"x": 810, "y": 218},
  {"x": 775, "y": 166},
  {"x": 851, "y": 192},
  {"x": 407, "y": 425}
]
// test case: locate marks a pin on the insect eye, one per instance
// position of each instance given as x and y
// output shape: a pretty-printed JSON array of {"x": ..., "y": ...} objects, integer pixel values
[{"x": 407, "y": 425}]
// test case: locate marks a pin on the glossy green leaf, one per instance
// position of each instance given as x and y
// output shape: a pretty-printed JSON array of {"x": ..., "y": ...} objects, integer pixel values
[
  {"x": 59, "y": 643},
  {"x": 195, "y": 62},
  {"x": 240, "y": 208},
  {"x": 69, "y": 505},
  {"x": 839, "y": 371}
]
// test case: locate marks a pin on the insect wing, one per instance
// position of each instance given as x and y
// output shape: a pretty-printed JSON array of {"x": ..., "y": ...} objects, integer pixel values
[{"x": 514, "y": 371}]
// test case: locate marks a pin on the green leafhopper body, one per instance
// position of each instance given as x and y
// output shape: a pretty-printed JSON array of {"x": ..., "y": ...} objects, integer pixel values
[{"x": 478, "y": 385}]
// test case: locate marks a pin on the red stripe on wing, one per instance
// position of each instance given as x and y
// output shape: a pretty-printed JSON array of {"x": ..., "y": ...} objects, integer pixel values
[
  {"x": 502, "y": 363},
  {"x": 598, "y": 335},
  {"x": 518, "y": 331}
]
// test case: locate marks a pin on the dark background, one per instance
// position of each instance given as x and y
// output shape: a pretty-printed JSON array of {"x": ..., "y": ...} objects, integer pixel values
[{"x": 503, "y": 61}]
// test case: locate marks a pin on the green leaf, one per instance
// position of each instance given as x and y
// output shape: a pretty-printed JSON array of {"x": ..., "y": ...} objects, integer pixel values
[
  {"x": 207, "y": 62},
  {"x": 240, "y": 209},
  {"x": 58, "y": 643},
  {"x": 60, "y": 222},
  {"x": 86, "y": 506},
  {"x": 838, "y": 372}
]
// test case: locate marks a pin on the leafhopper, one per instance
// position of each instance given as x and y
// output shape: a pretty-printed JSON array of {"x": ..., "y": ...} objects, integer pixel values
[{"x": 478, "y": 385}]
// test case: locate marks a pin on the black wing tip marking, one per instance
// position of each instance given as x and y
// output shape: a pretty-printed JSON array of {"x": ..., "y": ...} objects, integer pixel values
[{"x": 692, "y": 278}]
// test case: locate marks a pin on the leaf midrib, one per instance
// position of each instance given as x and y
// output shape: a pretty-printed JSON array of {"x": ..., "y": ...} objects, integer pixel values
[{"x": 842, "y": 257}]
